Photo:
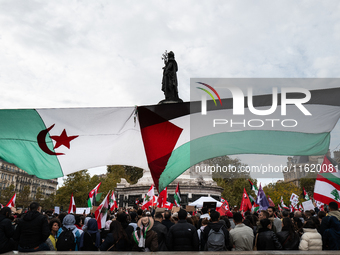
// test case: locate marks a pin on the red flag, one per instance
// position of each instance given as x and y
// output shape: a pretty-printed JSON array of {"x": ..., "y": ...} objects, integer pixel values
[
  {"x": 11, "y": 202},
  {"x": 72, "y": 207},
  {"x": 168, "y": 205},
  {"x": 245, "y": 204},
  {"x": 271, "y": 203},
  {"x": 162, "y": 198},
  {"x": 224, "y": 208}
]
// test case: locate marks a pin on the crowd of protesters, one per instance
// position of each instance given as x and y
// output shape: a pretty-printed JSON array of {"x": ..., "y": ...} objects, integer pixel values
[{"x": 138, "y": 230}]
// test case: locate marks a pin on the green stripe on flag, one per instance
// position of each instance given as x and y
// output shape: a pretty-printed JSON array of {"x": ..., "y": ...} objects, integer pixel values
[
  {"x": 18, "y": 138},
  {"x": 242, "y": 142}
]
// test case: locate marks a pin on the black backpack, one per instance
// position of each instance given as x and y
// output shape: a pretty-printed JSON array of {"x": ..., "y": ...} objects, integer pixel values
[{"x": 66, "y": 240}]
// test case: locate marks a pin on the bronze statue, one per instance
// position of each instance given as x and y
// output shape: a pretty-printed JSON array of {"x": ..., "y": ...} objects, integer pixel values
[{"x": 169, "y": 81}]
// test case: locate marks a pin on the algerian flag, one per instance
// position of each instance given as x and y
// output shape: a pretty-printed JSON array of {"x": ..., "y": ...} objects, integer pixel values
[
  {"x": 327, "y": 185},
  {"x": 51, "y": 143},
  {"x": 177, "y": 196},
  {"x": 176, "y": 137}
]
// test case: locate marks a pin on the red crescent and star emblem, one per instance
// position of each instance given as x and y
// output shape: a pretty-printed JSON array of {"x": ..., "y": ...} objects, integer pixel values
[{"x": 62, "y": 139}]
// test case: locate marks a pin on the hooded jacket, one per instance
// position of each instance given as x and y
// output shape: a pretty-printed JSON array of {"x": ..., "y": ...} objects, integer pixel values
[
  {"x": 6, "y": 232},
  {"x": 32, "y": 230},
  {"x": 310, "y": 240}
]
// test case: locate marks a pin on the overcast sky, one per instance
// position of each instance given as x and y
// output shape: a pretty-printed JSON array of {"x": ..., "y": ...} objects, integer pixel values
[{"x": 108, "y": 53}]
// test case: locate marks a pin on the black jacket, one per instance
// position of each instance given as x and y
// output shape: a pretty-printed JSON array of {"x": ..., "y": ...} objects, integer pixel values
[
  {"x": 267, "y": 240},
  {"x": 182, "y": 237},
  {"x": 216, "y": 227},
  {"x": 288, "y": 243},
  {"x": 121, "y": 245},
  {"x": 168, "y": 223},
  {"x": 162, "y": 233},
  {"x": 6, "y": 232},
  {"x": 32, "y": 230}
]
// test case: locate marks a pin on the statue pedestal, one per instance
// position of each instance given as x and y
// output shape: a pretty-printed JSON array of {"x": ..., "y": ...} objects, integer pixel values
[{"x": 171, "y": 101}]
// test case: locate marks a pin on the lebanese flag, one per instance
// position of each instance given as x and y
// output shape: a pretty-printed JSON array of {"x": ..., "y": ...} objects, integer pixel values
[
  {"x": 245, "y": 203},
  {"x": 162, "y": 198},
  {"x": 11, "y": 202},
  {"x": 168, "y": 205},
  {"x": 224, "y": 208},
  {"x": 279, "y": 207},
  {"x": 171, "y": 146},
  {"x": 271, "y": 203},
  {"x": 72, "y": 206},
  {"x": 177, "y": 196},
  {"x": 113, "y": 203},
  {"x": 320, "y": 205},
  {"x": 93, "y": 196},
  {"x": 101, "y": 212},
  {"x": 149, "y": 198},
  {"x": 327, "y": 184},
  {"x": 283, "y": 204}
]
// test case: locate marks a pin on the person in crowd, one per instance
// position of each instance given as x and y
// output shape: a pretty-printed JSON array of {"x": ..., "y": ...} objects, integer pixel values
[
  {"x": 195, "y": 220},
  {"x": 134, "y": 219},
  {"x": 242, "y": 236},
  {"x": 174, "y": 218},
  {"x": 330, "y": 228},
  {"x": 32, "y": 230},
  {"x": 276, "y": 221},
  {"x": 288, "y": 237},
  {"x": 166, "y": 221},
  {"x": 204, "y": 215},
  {"x": 117, "y": 239},
  {"x": 264, "y": 215},
  {"x": 311, "y": 239},
  {"x": 51, "y": 241},
  {"x": 182, "y": 236},
  {"x": 84, "y": 227},
  {"x": 79, "y": 221},
  {"x": 68, "y": 226},
  {"x": 321, "y": 215},
  {"x": 215, "y": 235},
  {"x": 122, "y": 218},
  {"x": 90, "y": 238},
  {"x": 266, "y": 238},
  {"x": 299, "y": 215},
  {"x": 285, "y": 214},
  {"x": 106, "y": 230},
  {"x": 161, "y": 231},
  {"x": 200, "y": 232},
  {"x": 250, "y": 221},
  {"x": 226, "y": 222},
  {"x": 298, "y": 225},
  {"x": 6, "y": 231},
  {"x": 145, "y": 239}
]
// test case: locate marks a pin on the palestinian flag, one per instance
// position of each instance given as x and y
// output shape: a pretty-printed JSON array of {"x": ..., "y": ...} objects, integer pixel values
[
  {"x": 161, "y": 201},
  {"x": 300, "y": 208},
  {"x": 113, "y": 203},
  {"x": 11, "y": 202},
  {"x": 149, "y": 198},
  {"x": 177, "y": 136},
  {"x": 245, "y": 203},
  {"x": 253, "y": 187},
  {"x": 93, "y": 196},
  {"x": 101, "y": 212},
  {"x": 283, "y": 204},
  {"x": 51, "y": 143},
  {"x": 305, "y": 194},
  {"x": 72, "y": 206},
  {"x": 177, "y": 196},
  {"x": 327, "y": 185}
]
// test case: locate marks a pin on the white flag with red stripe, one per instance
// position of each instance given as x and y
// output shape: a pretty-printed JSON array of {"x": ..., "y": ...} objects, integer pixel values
[
  {"x": 113, "y": 202},
  {"x": 11, "y": 202},
  {"x": 101, "y": 212},
  {"x": 72, "y": 206}
]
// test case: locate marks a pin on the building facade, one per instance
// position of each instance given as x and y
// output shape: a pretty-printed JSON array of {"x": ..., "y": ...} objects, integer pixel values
[
  {"x": 12, "y": 175},
  {"x": 192, "y": 188}
]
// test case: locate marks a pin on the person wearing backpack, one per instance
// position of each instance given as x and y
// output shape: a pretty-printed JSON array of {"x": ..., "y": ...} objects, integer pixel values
[
  {"x": 90, "y": 238},
  {"x": 69, "y": 235},
  {"x": 215, "y": 235}
]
